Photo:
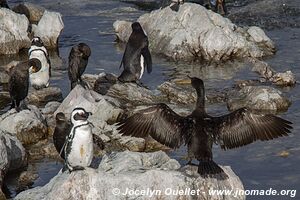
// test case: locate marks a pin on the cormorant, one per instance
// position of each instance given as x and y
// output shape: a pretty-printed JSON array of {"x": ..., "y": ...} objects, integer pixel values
[
  {"x": 18, "y": 83},
  {"x": 3, "y": 4},
  {"x": 136, "y": 55},
  {"x": 199, "y": 130},
  {"x": 62, "y": 129},
  {"x": 78, "y": 60}
]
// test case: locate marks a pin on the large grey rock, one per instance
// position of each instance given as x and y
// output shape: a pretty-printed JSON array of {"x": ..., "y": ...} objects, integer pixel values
[
  {"x": 260, "y": 98},
  {"x": 43, "y": 96},
  {"x": 49, "y": 28},
  {"x": 12, "y": 156},
  {"x": 13, "y": 32},
  {"x": 195, "y": 32},
  {"x": 12, "y": 153},
  {"x": 134, "y": 171},
  {"x": 29, "y": 126},
  {"x": 105, "y": 110}
]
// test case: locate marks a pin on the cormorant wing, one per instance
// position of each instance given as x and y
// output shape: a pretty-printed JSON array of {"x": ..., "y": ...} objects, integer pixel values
[
  {"x": 147, "y": 56},
  {"x": 242, "y": 127},
  {"x": 159, "y": 121},
  {"x": 74, "y": 62}
]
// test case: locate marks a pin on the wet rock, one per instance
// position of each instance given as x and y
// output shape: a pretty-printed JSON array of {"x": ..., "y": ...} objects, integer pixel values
[
  {"x": 133, "y": 143},
  {"x": 130, "y": 170},
  {"x": 12, "y": 153},
  {"x": 131, "y": 92},
  {"x": 260, "y": 98},
  {"x": 49, "y": 34},
  {"x": 267, "y": 72},
  {"x": 35, "y": 12},
  {"x": 43, "y": 96},
  {"x": 13, "y": 32},
  {"x": 105, "y": 110},
  {"x": 268, "y": 14},
  {"x": 184, "y": 37},
  {"x": 29, "y": 126}
]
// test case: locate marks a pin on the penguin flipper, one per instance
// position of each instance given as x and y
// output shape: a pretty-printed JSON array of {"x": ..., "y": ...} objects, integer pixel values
[{"x": 148, "y": 59}]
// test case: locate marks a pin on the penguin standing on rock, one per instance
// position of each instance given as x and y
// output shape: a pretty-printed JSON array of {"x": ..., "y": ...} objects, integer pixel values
[
  {"x": 78, "y": 60},
  {"x": 79, "y": 145},
  {"x": 37, "y": 50},
  {"x": 18, "y": 83},
  {"x": 136, "y": 55}
]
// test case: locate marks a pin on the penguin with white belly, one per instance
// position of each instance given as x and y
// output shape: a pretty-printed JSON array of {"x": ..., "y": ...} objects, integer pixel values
[
  {"x": 41, "y": 78},
  {"x": 137, "y": 56},
  {"x": 79, "y": 145}
]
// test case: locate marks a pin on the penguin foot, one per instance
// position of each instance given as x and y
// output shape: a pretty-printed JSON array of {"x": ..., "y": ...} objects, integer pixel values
[{"x": 84, "y": 84}]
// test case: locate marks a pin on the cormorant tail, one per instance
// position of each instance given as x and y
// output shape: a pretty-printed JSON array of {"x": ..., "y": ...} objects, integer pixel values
[{"x": 210, "y": 169}]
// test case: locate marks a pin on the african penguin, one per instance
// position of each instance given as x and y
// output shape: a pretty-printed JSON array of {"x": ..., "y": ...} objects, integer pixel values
[
  {"x": 136, "y": 55},
  {"x": 18, "y": 83},
  {"x": 3, "y": 4},
  {"x": 37, "y": 50},
  {"x": 79, "y": 145},
  {"x": 78, "y": 60},
  {"x": 62, "y": 129}
]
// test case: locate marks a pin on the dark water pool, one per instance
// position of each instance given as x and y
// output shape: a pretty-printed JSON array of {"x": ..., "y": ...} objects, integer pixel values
[{"x": 258, "y": 165}]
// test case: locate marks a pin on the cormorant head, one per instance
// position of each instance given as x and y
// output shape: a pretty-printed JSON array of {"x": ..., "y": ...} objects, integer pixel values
[
  {"x": 60, "y": 117},
  {"x": 37, "y": 41},
  {"x": 136, "y": 26},
  {"x": 34, "y": 65},
  {"x": 85, "y": 50},
  {"x": 196, "y": 82},
  {"x": 79, "y": 116}
]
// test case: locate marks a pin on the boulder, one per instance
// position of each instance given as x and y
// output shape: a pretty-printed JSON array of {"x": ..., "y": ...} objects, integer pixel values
[
  {"x": 29, "y": 126},
  {"x": 49, "y": 34},
  {"x": 34, "y": 11},
  {"x": 13, "y": 32},
  {"x": 48, "y": 112},
  {"x": 197, "y": 33},
  {"x": 43, "y": 96},
  {"x": 123, "y": 171},
  {"x": 12, "y": 153},
  {"x": 259, "y": 98},
  {"x": 105, "y": 110}
]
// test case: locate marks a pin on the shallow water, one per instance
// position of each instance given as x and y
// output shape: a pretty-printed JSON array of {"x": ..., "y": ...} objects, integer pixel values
[{"x": 258, "y": 165}]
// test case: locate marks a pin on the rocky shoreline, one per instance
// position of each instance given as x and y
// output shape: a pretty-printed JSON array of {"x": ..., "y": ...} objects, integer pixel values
[{"x": 27, "y": 135}]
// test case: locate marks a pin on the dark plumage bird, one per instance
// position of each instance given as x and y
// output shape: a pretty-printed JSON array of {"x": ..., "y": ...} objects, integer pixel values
[
  {"x": 136, "y": 55},
  {"x": 19, "y": 80},
  {"x": 218, "y": 6},
  {"x": 62, "y": 129},
  {"x": 78, "y": 60},
  {"x": 199, "y": 130},
  {"x": 3, "y": 4}
]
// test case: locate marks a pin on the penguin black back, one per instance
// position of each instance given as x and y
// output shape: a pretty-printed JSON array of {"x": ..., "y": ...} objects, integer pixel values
[
  {"x": 18, "y": 83},
  {"x": 136, "y": 55},
  {"x": 78, "y": 60},
  {"x": 62, "y": 129}
]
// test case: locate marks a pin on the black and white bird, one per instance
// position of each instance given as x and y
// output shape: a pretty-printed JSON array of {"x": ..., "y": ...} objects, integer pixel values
[
  {"x": 79, "y": 145},
  {"x": 62, "y": 129},
  {"x": 199, "y": 130},
  {"x": 18, "y": 83},
  {"x": 78, "y": 60},
  {"x": 136, "y": 56},
  {"x": 41, "y": 78}
]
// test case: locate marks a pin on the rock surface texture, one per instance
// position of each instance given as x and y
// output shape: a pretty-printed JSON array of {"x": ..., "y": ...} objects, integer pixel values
[
  {"x": 134, "y": 171},
  {"x": 29, "y": 126},
  {"x": 197, "y": 33},
  {"x": 260, "y": 98},
  {"x": 13, "y": 32}
]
